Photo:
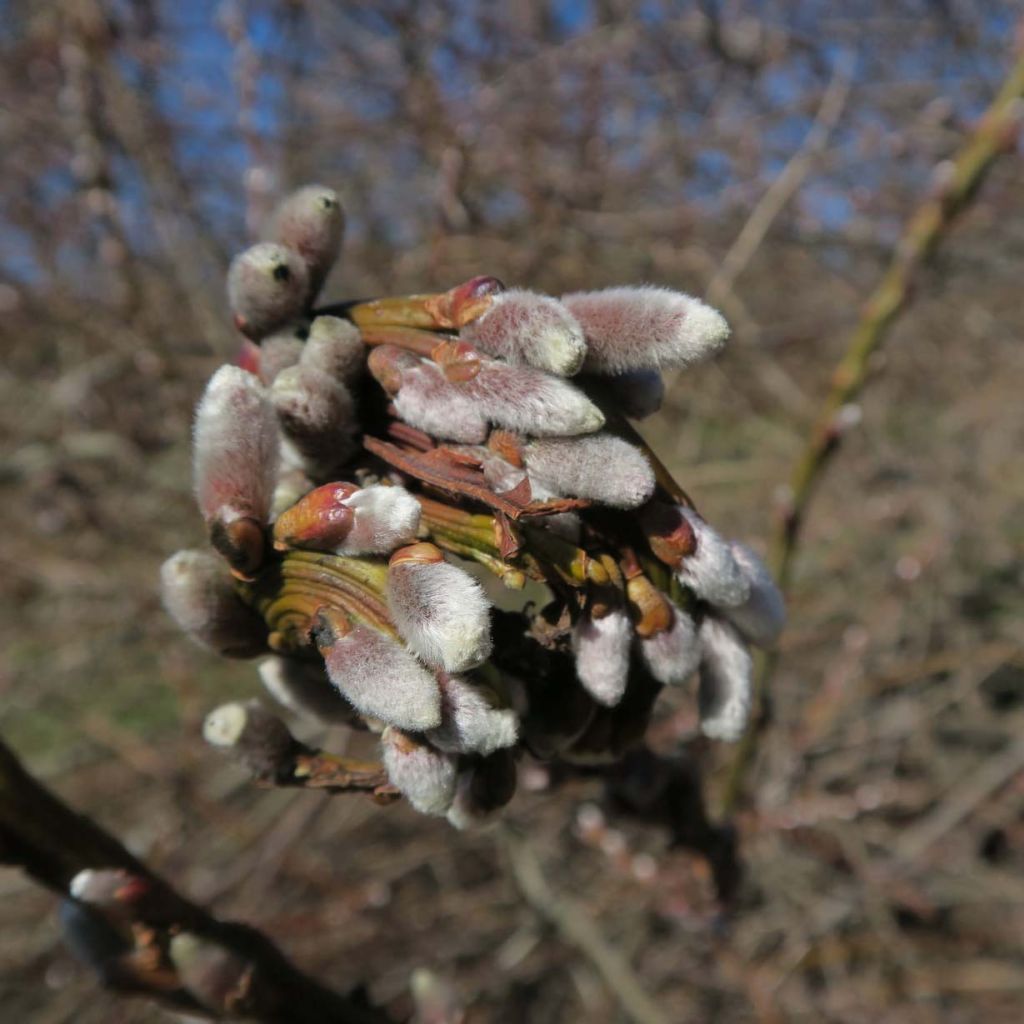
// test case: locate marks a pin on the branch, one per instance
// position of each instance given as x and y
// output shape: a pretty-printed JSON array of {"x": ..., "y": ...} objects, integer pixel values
[
  {"x": 173, "y": 950},
  {"x": 957, "y": 184}
]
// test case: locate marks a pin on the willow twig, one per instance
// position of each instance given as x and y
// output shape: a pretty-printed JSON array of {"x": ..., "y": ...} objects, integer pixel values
[{"x": 957, "y": 183}]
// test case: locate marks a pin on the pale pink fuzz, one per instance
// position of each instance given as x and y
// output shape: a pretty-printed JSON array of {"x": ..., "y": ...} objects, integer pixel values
[
  {"x": 602, "y": 648},
  {"x": 335, "y": 347},
  {"x": 441, "y": 612},
  {"x": 267, "y": 286},
  {"x": 474, "y": 719},
  {"x": 524, "y": 327},
  {"x": 762, "y": 616},
  {"x": 671, "y": 657},
  {"x": 305, "y": 690},
  {"x": 383, "y": 680},
  {"x": 525, "y": 399},
  {"x": 424, "y": 776},
  {"x": 645, "y": 328},
  {"x": 235, "y": 448},
  {"x": 601, "y": 466},
  {"x": 281, "y": 350},
  {"x": 318, "y": 417},
  {"x": 312, "y": 222},
  {"x": 430, "y": 402},
  {"x": 724, "y": 694},
  {"x": 386, "y": 518},
  {"x": 198, "y": 594},
  {"x": 637, "y": 394},
  {"x": 712, "y": 571}
]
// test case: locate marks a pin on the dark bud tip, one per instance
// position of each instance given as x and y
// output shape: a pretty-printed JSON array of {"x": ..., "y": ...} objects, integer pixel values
[{"x": 241, "y": 543}]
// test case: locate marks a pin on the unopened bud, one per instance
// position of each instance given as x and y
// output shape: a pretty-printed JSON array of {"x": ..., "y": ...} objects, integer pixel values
[
  {"x": 484, "y": 787},
  {"x": 311, "y": 222},
  {"x": 199, "y": 596},
  {"x": 474, "y": 718},
  {"x": 440, "y": 610},
  {"x": 602, "y": 648},
  {"x": 600, "y": 466},
  {"x": 524, "y": 327},
  {"x": 377, "y": 675},
  {"x": 712, "y": 571},
  {"x": 762, "y": 616},
  {"x": 424, "y": 775},
  {"x": 724, "y": 694},
  {"x": 267, "y": 288},
  {"x": 317, "y": 415},
  {"x": 668, "y": 532},
  {"x": 305, "y": 690},
  {"x": 464, "y": 303},
  {"x": 672, "y": 656},
  {"x": 645, "y": 329},
  {"x": 318, "y": 521},
  {"x": 115, "y": 890},
  {"x": 235, "y": 464},
  {"x": 651, "y": 609},
  {"x": 334, "y": 347},
  {"x": 256, "y": 736}
]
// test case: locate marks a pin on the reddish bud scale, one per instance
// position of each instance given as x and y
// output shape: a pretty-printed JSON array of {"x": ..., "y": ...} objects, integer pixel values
[
  {"x": 459, "y": 361},
  {"x": 669, "y": 534},
  {"x": 320, "y": 521},
  {"x": 464, "y": 303}
]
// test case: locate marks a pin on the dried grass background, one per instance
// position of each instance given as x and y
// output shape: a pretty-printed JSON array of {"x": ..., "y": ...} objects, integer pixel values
[{"x": 558, "y": 145}]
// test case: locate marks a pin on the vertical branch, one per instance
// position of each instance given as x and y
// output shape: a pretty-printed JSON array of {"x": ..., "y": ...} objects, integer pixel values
[{"x": 957, "y": 183}]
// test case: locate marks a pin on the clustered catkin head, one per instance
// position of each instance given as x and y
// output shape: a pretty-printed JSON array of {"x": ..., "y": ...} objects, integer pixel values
[{"x": 358, "y": 450}]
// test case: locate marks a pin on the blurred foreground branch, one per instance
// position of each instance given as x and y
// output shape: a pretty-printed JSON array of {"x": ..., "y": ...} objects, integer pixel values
[
  {"x": 139, "y": 934},
  {"x": 956, "y": 182}
]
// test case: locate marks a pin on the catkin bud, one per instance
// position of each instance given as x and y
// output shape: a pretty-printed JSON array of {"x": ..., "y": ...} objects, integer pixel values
[
  {"x": 311, "y": 222},
  {"x": 254, "y": 735},
  {"x": 672, "y": 656},
  {"x": 305, "y": 690},
  {"x": 724, "y": 694},
  {"x": 524, "y": 327},
  {"x": 235, "y": 464},
  {"x": 645, "y": 329},
  {"x": 115, "y": 890},
  {"x": 377, "y": 675},
  {"x": 220, "y": 979},
  {"x": 474, "y": 719},
  {"x": 267, "y": 287},
  {"x": 334, "y": 347},
  {"x": 602, "y": 648},
  {"x": 318, "y": 417},
  {"x": 711, "y": 571},
  {"x": 761, "y": 617},
  {"x": 277, "y": 352},
  {"x": 425, "y": 776},
  {"x": 319, "y": 521},
  {"x": 441, "y": 612},
  {"x": 425, "y": 399},
  {"x": 385, "y": 518},
  {"x": 198, "y": 595},
  {"x": 486, "y": 785},
  {"x": 601, "y": 466}
]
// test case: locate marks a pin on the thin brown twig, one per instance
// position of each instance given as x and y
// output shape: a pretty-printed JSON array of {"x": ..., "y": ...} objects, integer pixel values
[{"x": 957, "y": 183}]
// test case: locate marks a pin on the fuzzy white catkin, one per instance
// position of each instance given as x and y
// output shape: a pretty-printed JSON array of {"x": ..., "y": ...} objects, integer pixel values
[
  {"x": 235, "y": 447},
  {"x": 281, "y": 350},
  {"x": 267, "y": 287},
  {"x": 383, "y": 680},
  {"x": 672, "y": 657},
  {"x": 441, "y": 612},
  {"x": 762, "y": 616},
  {"x": 430, "y": 402},
  {"x": 724, "y": 694},
  {"x": 712, "y": 571},
  {"x": 602, "y": 648},
  {"x": 424, "y": 776},
  {"x": 311, "y": 222},
  {"x": 304, "y": 690},
  {"x": 525, "y": 327},
  {"x": 473, "y": 719},
  {"x": 335, "y": 347},
  {"x": 385, "y": 518},
  {"x": 645, "y": 328},
  {"x": 599, "y": 466},
  {"x": 199, "y": 596}
]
